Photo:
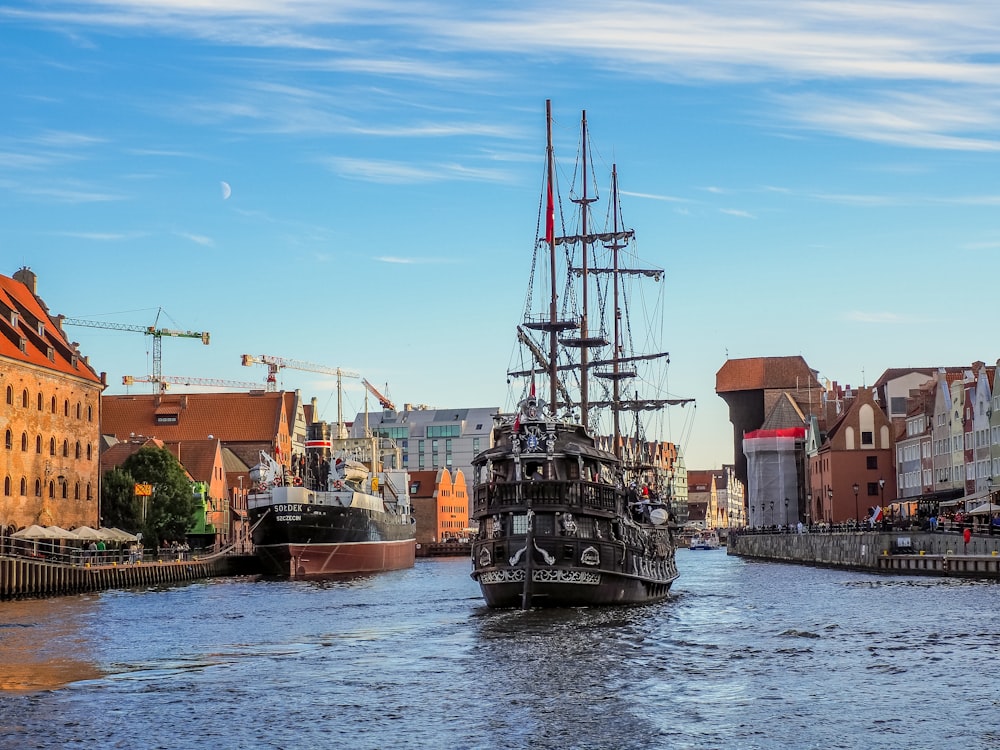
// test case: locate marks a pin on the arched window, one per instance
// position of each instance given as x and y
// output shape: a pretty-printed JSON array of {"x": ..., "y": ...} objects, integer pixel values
[
  {"x": 24, "y": 398},
  {"x": 38, "y": 443},
  {"x": 6, "y": 486},
  {"x": 52, "y": 446},
  {"x": 76, "y": 491},
  {"x": 66, "y": 408},
  {"x": 38, "y": 488},
  {"x": 24, "y": 487},
  {"x": 39, "y": 401},
  {"x": 88, "y": 451},
  {"x": 77, "y": 449},
  {"x": 65, "y": 489},
  {"x": 78, "y": 412},
  {"x": 90, "y": 413},
  {"x": 9, "y": 440},
  {"x": 53, "y": 409},
  {"x": 10, "y": 395},
  {"x": 52, "y": 489},
  {"x": 88, "y": 491},
  {"x": 24, "y": 441},
  {"x": 65, "y": 448}
]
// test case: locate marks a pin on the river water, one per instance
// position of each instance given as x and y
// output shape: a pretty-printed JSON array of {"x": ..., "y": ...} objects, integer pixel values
[{"x": 744, "y": 655}]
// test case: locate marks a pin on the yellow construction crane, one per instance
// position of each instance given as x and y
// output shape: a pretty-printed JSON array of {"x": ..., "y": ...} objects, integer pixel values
[
  {"x": 153, "y": 330},
  {"x": 166, "y": 380},
  {"x": 384, "y": 400}
]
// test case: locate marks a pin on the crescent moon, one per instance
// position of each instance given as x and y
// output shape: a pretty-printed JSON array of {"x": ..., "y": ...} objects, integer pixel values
[{"x": 226, "y": 190}]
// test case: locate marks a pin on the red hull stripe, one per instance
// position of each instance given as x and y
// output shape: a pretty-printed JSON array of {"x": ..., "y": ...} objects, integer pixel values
[
  {"x": 351, "y": 557},
  {"x": 319, "y": 444}
]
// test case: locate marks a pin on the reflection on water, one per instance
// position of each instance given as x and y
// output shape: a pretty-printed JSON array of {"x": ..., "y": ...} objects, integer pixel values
[
  {"x": 743, "y": 655},
  {"x": 40, "y": 643}
]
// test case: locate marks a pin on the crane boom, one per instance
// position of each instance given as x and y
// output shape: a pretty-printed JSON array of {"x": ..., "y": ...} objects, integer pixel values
[
  {"x": 274, "y": 364},
  {"x": 386, "y": 403},
  {"x": 153, "y": 330},
  {"x": 166, "y": 380}
]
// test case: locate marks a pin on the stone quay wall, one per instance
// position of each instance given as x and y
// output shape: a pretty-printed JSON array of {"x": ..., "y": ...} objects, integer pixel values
[{"x": 918, "y": 553}]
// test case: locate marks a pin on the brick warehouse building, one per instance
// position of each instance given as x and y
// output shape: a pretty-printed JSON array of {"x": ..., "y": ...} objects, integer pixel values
[
  {"x": 50, "y": 415},
  {"x": 753, "y": 387}
]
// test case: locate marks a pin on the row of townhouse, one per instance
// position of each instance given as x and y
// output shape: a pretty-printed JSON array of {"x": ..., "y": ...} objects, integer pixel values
[{"x": 948, "y": 444}]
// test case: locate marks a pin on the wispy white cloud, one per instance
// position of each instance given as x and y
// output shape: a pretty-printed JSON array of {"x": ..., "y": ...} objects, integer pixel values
[
  {"x": 654, "y": 197},
  {"x": 69, "y": 194},
  {"x": 944, "y": 120},
  {"x": 737, "y": 212},
  {"x": 397, "y": 172},
  {"x": 860, "y": 316},
  {"x": 198, "y": 239},
  {"x": 64, "y": 139},
  {"x": 944, "y": 52},
  {"x": 399, "y": 260},
  {"x": 103, "y": 236}
]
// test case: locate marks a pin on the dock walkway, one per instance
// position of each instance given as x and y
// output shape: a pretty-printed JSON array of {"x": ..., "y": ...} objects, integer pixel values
[
  {"x": 898, "y": 552},
  {"x": 27, "y": 577}
]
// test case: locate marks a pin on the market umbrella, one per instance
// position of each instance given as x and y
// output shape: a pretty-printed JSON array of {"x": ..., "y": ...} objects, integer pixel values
[
  {"x": 32, "y": 532},
  {"x": 85, "y": 532},
  {"x": 56, "y": 532},
  {"x": 118, "y": 535}
]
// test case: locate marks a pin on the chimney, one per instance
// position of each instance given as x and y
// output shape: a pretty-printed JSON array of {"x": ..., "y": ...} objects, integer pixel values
[{"x": 28, "y": 278}]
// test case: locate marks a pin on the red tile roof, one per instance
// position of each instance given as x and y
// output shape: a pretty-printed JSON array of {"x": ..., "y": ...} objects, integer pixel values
[
  {"x": 22, "y": 316},
  {"x": 197, "y": 456},
  {"x": 229, "y": 417},
  {"x": 115, "y": 455}
]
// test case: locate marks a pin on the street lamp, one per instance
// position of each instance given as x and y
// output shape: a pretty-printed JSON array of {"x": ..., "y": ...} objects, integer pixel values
[
  {"x": 809, "y": 506},
  {"x": 772, "y": 514},
  {"x": 881, "y": 499},
  {"x": 786, "y": 512},
  {"x": 829, "y": 508},
  {"x": 857, "y": 514}
]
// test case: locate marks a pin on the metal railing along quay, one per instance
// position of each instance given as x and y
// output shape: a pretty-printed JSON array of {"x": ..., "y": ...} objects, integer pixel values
[
  {"x": 918, "y": 552},
  {"x": 52, "y": 570}
]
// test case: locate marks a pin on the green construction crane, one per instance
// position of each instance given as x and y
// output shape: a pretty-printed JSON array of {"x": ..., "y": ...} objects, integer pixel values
[{"x": 153, "y": 330}]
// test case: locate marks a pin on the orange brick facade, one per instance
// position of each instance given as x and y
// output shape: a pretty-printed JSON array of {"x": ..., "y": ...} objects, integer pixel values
[{"x": 51, "y": 447}]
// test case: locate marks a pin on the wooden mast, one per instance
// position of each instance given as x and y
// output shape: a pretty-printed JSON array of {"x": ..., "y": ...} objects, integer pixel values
[
  {"x": 615, "y": 367},
  {"x": 550, "y": 239},
  {"x": 585, "y": 350}
]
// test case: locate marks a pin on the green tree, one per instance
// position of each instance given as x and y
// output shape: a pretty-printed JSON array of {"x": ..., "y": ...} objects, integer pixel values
[
  {"x": 119, "y": 506},
  {"x": 169, "y": 513}
]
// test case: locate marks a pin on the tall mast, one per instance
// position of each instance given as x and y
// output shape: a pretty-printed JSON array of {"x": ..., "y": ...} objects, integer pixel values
[
  {"x": 550, "y": 239},
  {"x": 615, "y": 366},
  {"x": 584, "y": 212}
]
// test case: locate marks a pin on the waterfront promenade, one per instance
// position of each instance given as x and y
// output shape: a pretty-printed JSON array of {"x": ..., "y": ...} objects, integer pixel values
[
  {"x": 26, "y": 576},
  {"x": 909, "y": 552}
]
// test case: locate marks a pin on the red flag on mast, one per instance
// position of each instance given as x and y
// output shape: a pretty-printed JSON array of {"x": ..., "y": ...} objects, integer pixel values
[{"x": 550, "y": 216}]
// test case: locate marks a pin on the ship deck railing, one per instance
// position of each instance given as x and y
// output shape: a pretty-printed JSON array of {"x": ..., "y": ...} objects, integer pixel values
[{"x": 539, "y": 493}]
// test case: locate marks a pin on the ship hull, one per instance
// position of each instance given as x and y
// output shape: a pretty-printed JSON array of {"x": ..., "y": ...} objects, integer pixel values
[
  {"x": 303, "y": 533},
  {"x": 568, "y": 587},
  {"x": 322, "y": 560},
  {"x": 557, "y": 575}
]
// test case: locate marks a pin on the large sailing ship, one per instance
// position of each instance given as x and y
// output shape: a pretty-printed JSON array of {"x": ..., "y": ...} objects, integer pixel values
[{"x": 569, "y": 516}]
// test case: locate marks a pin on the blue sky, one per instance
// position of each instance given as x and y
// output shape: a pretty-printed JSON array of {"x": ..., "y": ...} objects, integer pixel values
[{"x": 817, "y": 178}]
